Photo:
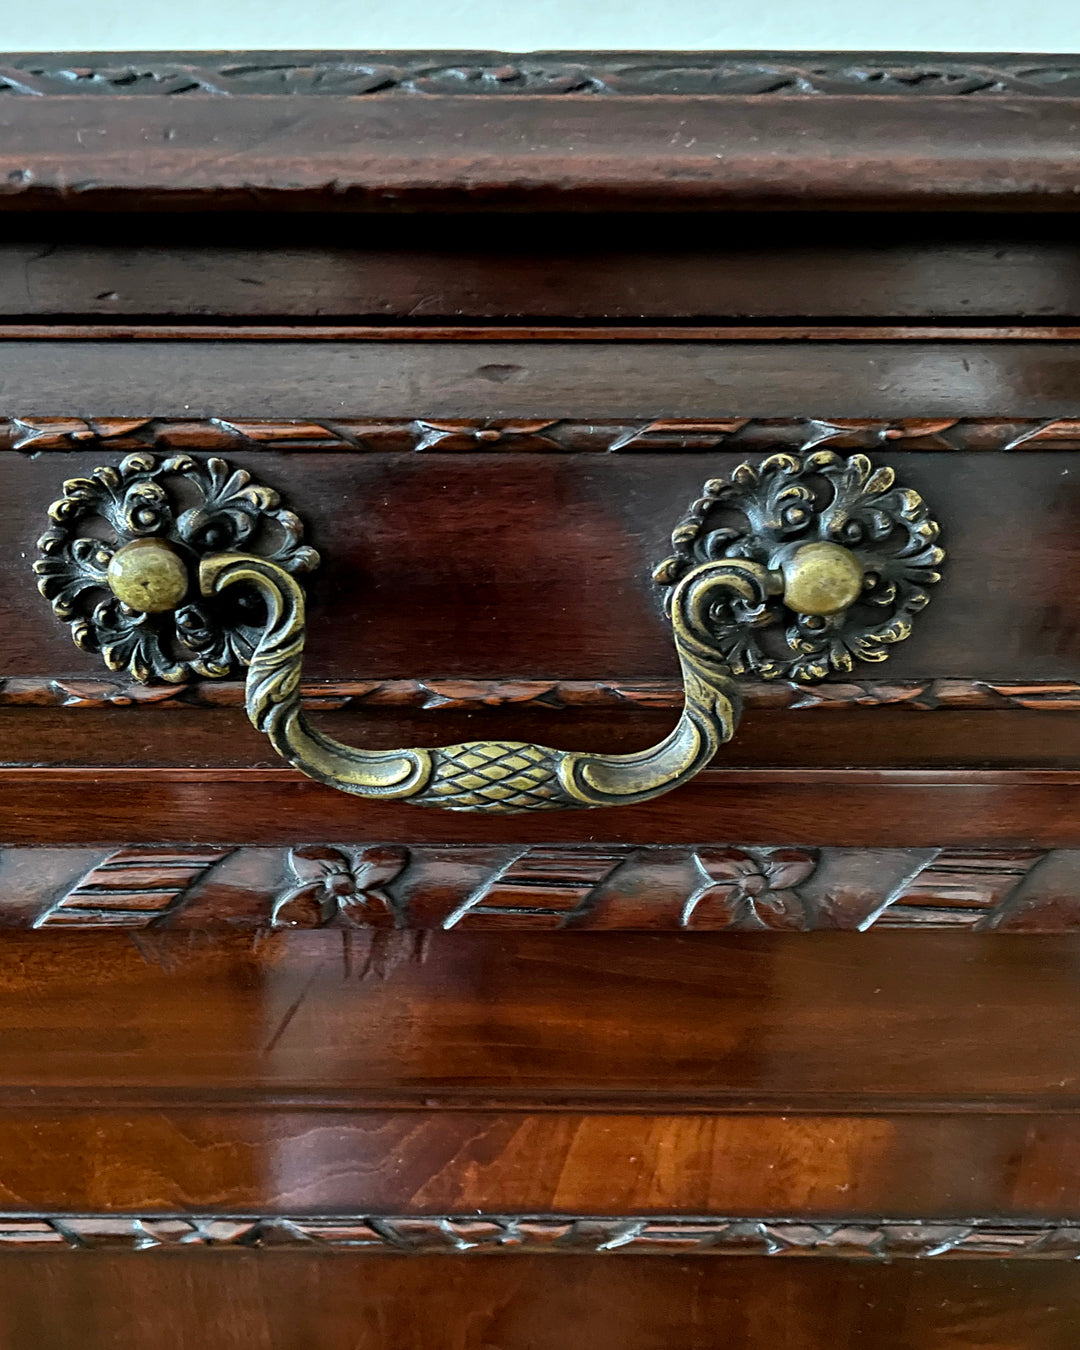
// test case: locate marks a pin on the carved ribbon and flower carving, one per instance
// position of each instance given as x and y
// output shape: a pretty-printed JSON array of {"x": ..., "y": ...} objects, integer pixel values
[{"x": 329, "y": 883}]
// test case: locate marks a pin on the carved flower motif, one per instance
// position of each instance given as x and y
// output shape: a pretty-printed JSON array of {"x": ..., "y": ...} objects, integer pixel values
[
  {"x": 749, "y": 890},
  {"x": 330, "y": 883}
]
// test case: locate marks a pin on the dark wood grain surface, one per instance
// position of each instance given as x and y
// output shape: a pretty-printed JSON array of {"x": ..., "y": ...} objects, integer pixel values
[
  {"x": 139, "y": 732},
  {"x": 541, "y": 380},
  {"x": 275, "y": 151},
  {"x": 266, "y": 1301},
  {"x": 363, "y": 1074},
  {"x": 361, "y": 1087},
  {"x": 531, "y": 1021},
  {"x": 472, "y": 267},
  {"x": 217, "y": 1130},
  {"x": 876, "y": 808},
  {"x": 553, "y": 553},
  {"x": 319, "y": 1163}
]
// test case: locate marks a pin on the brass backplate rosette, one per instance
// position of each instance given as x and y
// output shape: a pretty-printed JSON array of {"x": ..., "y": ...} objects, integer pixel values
[
  {"x": 768, "y": 514},
  {"x": 119, "y": 563}
]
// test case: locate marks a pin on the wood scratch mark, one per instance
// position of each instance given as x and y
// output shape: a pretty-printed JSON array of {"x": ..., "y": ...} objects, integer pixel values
[{"x": 291, "y": 1011}]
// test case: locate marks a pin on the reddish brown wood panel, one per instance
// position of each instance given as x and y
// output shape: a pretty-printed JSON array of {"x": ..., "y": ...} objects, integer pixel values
[
  {"x": 305, "y": 1162},
  {"x": 310, "y": 1075},
  {"x": 876, "y": 808},
  {"x": 530, "y": 1021},
  {"x": 379, "y": 885},
  {"x": 257, "y": 1301},
  {"x": 874, "y": 735},
  {"x": 436, "y": 380},
  {"x": 538, "y": 566},
  {"x": 615, "y": 267},
  {"x": 275, "y": 151}
]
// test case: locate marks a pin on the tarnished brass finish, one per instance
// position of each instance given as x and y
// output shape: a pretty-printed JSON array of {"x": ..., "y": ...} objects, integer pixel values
[
  {"x": 148, "y": 575},
  {"x": 822, "y": 579},
  {"x": 494, "y": 776},
  {"x": 792, "y": 569},
  {"x": 856, "y": 552},
  {"x": 790, "y": 563},
  {"x": 117, "y": 562}
]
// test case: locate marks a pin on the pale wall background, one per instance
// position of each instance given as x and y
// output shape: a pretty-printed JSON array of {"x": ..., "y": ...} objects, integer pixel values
[{"x": 521, "y": 25}]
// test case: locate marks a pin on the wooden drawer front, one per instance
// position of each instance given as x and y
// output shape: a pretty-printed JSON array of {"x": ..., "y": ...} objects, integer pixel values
[
  {"x": 488, "y": 512},
  {"x": 817, "y": 1003}
]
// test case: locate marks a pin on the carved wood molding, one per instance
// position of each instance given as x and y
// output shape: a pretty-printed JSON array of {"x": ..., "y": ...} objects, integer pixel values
[
  {"x": 574, "y": 888},
  {"x": 460, "y": 695},
  {"x": 876, "y": 1239},
  {"x": 503, "y": 73},
  {"x": 740, "y": 435},
  {"x": 131, "y": 888}
]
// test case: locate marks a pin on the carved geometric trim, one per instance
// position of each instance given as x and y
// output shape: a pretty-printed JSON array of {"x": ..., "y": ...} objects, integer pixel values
[
  {"x": 466, "y": 695},
  {"x": 130, "y": 888},
  {"x": 539, "y": 435},
  {"x": 573, "y": 888},
  {"x": 437, "y": 1235},
  {"x": 496, "y": 74},
  {"x": 538, "y": 888}
]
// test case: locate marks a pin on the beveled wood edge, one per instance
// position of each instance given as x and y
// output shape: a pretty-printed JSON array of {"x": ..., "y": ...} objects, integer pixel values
[
  {"x": 458, "y": 695},
  {"x": 478, "y": 1234},
  {"x": 131, "y": 131},
  {"x": 538, "y": 435},
  {"x": 741, "y": 74},
  {"x": 150, "y": 330}
]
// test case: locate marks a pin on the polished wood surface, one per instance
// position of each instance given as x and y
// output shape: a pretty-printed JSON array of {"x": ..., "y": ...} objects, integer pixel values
[
  {"x": 552, "y": 554},
  {"x": 268, "y": 1301},
  {"x": 380, "y": 1073},
  {"x": 149, "y": 1160},
  {"x": 371, "y": 1018},
  {"x": 213, "y": 144},
  {"x": 444, "y": 268},
  {"x": 608, "y": 1033},
  {"x": 924, "y": 808},
  {"x": 431, "y": 380},
  {"x": 147, "y": 726}
]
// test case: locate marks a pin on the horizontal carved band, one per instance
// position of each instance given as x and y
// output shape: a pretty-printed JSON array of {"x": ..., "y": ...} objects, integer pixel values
[
  {"x": 45, "y": 691},
  {"x": 494, "y": 73},
  {"x": 877, "y": 1239},
  {"x": 539, "y": 435},
  {"x": 561, "y": 887}
]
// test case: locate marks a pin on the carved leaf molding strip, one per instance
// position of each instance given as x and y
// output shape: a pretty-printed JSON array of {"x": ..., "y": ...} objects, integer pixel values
[
  {"x": 463, "y": 695},
  {"x": 504, "y": 73},
  {"x": 878, "y": 1239},
  {"x": 558, "y": 435},
  {"x": 551, "y": 887}
]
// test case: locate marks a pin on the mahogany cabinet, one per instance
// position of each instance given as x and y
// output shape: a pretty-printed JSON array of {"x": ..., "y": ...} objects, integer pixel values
[{"x": 561, "y": 388}]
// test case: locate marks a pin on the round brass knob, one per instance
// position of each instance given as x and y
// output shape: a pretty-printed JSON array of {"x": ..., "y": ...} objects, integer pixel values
[
  {"x": 148, "y": 575},
  {"x": 821, "y": 578}
]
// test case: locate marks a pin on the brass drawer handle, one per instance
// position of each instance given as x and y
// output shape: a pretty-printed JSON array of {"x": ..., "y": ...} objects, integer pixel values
[
  {"x": 791, "y": 570},
  {"x": 493, "y": 775}
]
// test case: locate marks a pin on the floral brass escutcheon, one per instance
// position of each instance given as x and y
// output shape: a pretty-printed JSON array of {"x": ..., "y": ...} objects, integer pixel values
[
  {"x": 765, "y": 514},
  {"x": 191, "y": 508}
]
